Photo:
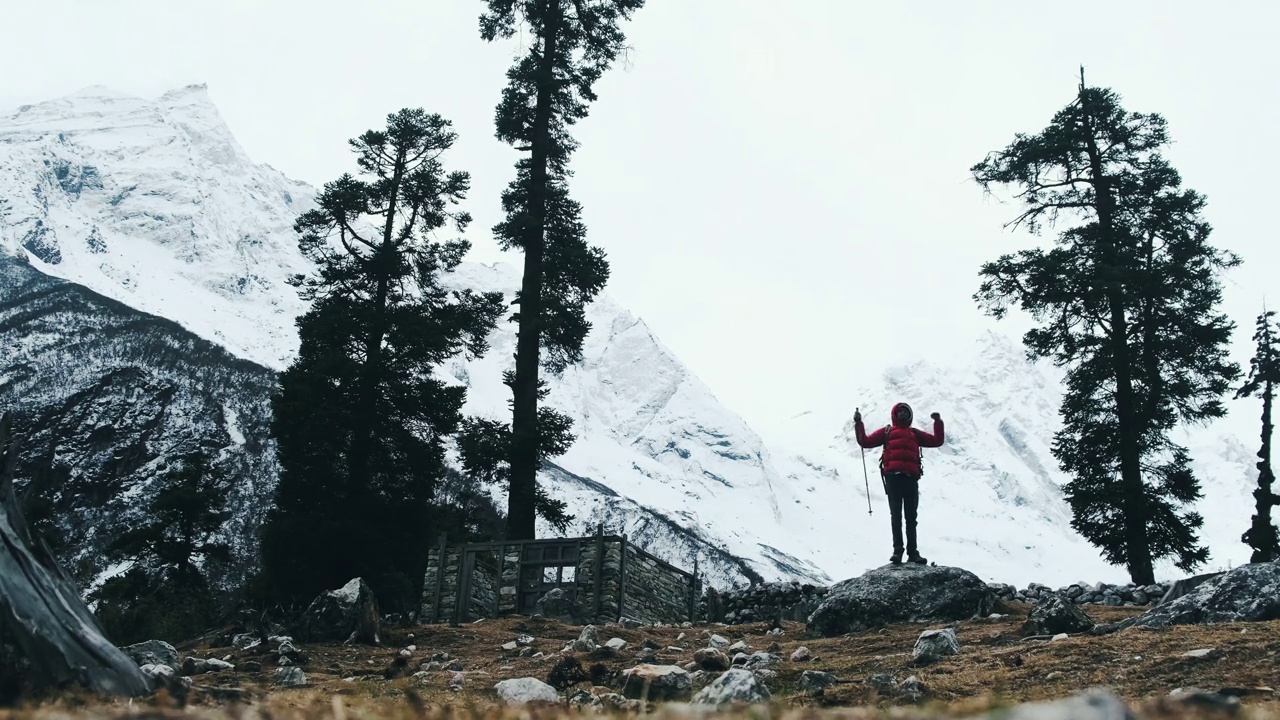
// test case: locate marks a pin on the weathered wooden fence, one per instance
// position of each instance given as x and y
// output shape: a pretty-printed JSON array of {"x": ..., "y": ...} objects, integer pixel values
[{"x": 606, "y": 577}]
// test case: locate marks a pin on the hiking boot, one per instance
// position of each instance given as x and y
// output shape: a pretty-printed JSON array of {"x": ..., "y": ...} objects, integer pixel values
[
  {"x": 917, "y": 559},
  {"x": 896, "y": 558}
]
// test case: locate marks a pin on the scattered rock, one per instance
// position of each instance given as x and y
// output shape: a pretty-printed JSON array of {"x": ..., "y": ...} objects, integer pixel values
[
  {"x": 290, "y": 677},
  {"x": 1056, "y": 614},
  {"x": 717, "y": 641},
  {"x": 647, "y": 655},
  {"x": 657, "y": 682},
  {"x": 883, "y": 683},
  {"x": 455, "y": 665},
  {"x": 245, "y": 641},
  {"x": 740, "y": 646},
  {"x": 712, "y": 659},
  {"x": 762, "y": 659},
  {"x": 1055, "y": 675},
  {"x": 457, "y": 680},
  {"x": 631, "y": 623},
  {"x": 617, "y": 703},
  {"x": 911, "y": 689},
  {"x": 932, "y": 645},
  {"x": 519, "y": 691},
  {"x": 557, "y": 604},
  {"x": 734, "y": 686},
  {"x": 740, "y": 659},
  {"x": 1059, "y": 637},
  {"x": 801, "y": 654},
  {"x": 816, "y": 682},
  {"x": 617, "y": 644},
  {"x": 159, "y": 672},
  {"x": 510, "y": 646},
  {"x": 680, "y": 637},
  {"x": 901, "y": 593},
  {"x": 774, "y": 647},
  {"x": 588, "y": 640},
  {"x": 196, "y": 666},
  {"x": 1203, "y": 654},
  {"x": 288, "y": 649},
  {"x": 525, "y": 640},
  {"x": 566, "y": 673},
  {"x": 153, "y": 652},
  {"x": 349, "y": 614}
]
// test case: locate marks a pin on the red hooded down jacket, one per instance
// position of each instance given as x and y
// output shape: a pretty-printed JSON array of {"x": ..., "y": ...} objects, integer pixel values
[{"x": 901, "y": 442}]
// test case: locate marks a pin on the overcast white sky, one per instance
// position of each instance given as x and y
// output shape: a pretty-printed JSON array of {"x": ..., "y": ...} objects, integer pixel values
[{"x": 782, "y": 187}]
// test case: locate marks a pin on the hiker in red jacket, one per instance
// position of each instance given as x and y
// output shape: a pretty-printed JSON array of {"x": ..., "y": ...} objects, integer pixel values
[{"x": 901, "y": 470}]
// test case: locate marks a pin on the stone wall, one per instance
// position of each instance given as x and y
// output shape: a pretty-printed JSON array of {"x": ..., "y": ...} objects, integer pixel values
[
  {"x": 762, "y": 603},
  {"x": 448, "y": 585},
  {"x": 653, "y": 591},
  {"x": 1087, "y": 593}
]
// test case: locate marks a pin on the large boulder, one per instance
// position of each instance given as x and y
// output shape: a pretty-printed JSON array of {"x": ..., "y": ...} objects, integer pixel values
[
  {"x": 657, "y": 682},
  {"x": 349, "y": 614},
  {"x": 1057, "y": 614},
  {"x": 519, "y": 691},
  {"x": 734, "y": 686},
  {"x": 1249, "y": 593},
  {"x": 154, "y": 652},
  {"x": 901, "y": 593}
]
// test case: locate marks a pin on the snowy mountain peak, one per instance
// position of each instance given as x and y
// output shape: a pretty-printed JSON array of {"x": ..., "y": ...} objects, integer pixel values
[{"x": 154, "y": 203}]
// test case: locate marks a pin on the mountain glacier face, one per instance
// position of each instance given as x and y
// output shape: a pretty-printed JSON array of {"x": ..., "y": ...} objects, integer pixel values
[{"x": 154, "y": 205}]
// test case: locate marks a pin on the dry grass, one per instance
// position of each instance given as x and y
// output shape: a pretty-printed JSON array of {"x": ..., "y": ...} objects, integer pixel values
[{"x": 995, "y": 669}]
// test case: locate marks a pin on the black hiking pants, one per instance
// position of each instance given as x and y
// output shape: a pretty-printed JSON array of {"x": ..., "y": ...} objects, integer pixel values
[{"x": 904, "y": 494}]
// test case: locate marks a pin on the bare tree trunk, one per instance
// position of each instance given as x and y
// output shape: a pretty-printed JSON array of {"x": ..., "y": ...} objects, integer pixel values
[{"x": 41, "y": 612}]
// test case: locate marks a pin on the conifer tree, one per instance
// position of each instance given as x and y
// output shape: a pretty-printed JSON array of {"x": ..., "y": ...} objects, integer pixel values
[
  {"x": 573, "y": 43},
  {"x": 360, "y": 420},
  {"x": 1264, "y": 375},
  {"x": 165, "y": 590},
  {"x": 1127, "y": 301}
]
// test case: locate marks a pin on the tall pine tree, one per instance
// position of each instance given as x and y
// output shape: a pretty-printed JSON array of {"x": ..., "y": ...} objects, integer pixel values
[
  {"x": 574, "y": 42},
  {"x": 1127, "y": 301},
  {"x": 360, "y": 420},
  {"x": 1264, "y": 375}
]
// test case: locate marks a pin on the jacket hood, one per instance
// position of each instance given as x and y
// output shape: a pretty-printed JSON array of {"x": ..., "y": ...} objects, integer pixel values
[{"x": 893, "y": 415}]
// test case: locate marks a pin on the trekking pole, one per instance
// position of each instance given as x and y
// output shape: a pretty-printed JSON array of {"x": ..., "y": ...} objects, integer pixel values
[{"x": 866, "y": 480}]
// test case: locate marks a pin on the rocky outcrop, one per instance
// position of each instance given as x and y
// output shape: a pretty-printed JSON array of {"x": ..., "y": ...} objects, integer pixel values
[
  {"x": 903, "y": 593},
  {"x": 1249, "y": 593}
]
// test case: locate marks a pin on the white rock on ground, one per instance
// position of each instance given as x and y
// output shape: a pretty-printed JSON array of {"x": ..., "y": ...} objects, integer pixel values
[{"x": 519, "y": 691}]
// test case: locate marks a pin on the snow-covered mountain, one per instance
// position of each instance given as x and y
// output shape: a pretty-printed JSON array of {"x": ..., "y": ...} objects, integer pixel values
[{"x": 153, "y": 205}]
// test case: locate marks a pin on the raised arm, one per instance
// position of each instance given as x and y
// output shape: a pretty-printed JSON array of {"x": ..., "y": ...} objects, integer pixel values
[
  {"x": 934, "y": 440},
  {"x": 875, "y": 439}
]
